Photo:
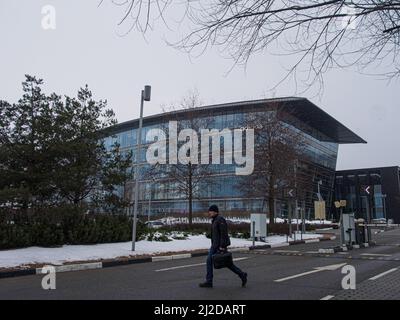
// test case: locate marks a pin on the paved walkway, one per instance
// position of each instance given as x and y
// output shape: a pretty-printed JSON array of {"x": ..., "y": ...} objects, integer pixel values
[{"x": 385, "y": 286}]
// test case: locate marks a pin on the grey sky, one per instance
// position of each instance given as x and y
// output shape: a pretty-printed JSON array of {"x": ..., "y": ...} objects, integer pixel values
[{"x": 86, "y": 48}]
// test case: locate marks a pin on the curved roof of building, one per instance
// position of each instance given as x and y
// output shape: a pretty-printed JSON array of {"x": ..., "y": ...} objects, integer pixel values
[{"x": 301, "y": 108}]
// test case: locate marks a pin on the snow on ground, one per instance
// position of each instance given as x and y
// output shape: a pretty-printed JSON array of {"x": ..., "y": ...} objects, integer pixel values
[
  {"x": 67, "y": 253},
  {"x": 171, "y": 220}
]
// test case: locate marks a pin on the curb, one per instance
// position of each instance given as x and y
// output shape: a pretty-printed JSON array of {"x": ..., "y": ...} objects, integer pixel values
[
  {"x": 346, "y": 247},
  {"x": 17, "y": 273},
  {"x": 292, "y": 243},
  {"x": 115, "y": 263}
]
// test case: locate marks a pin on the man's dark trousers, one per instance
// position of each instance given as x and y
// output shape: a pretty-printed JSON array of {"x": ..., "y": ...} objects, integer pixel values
[{"x": 210, "y": 267}]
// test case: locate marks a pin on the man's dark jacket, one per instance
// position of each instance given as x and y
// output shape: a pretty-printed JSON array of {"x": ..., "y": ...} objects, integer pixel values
[{"x": 219, "y": 233}]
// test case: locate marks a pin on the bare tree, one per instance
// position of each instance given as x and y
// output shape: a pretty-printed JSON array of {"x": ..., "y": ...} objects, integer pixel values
[
  {"x": 321, "y": 34},
  {"x": 185, "y": 178},
  {"x": 278, "y": 149}
]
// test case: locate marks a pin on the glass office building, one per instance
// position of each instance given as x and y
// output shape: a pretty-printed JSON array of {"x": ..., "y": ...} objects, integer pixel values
[
  {"x": 371, "y": 193},
  {"x": 321, "y": 133}
]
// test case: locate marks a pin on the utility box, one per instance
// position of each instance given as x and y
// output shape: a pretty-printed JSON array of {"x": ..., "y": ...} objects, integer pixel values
[
  {"x": 347, "y": 228},
  {"x": 258, "y": 226}
]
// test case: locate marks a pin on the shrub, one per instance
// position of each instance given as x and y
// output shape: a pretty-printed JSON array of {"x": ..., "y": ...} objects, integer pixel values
[
  {"x": 158, "y": 235},
  {"x": 63, "y": 225},
  {"x": 198, "y": 228}
]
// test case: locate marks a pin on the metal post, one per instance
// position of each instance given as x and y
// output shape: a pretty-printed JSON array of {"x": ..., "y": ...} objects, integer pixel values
[
  {"x": 148, "y": 213},
  {"x": 295, "y": 203},
  {"x": 342, "y": 235},
  {"x": 297, "y": 217},
  {"x": 254, "y": 233},
  {"x": 368, "y": 209},
  {"x": 139, "y": 142},
  {"x": 303, "y": 222},
  {"x": 369, "y": 218},
  {"x": 290, "y": 220},
  {"x": 384, "y": 207}
]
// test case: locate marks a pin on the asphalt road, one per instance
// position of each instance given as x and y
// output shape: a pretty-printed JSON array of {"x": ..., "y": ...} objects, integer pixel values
[{"x": 286, "y": 273}]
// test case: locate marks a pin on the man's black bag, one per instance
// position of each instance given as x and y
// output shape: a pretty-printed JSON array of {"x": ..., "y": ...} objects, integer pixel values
[{"x": 222, "y": 260}]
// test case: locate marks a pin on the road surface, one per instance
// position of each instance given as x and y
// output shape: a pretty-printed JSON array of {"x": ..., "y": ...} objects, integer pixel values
[{"x": 295, "y": 272}]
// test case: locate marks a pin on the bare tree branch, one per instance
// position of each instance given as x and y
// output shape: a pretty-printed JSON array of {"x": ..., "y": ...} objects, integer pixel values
[{"x": 320, "y": 34}]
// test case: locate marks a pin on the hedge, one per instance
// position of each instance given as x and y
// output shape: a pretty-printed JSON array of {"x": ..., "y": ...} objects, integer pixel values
[{"x": 51, "y": 227}]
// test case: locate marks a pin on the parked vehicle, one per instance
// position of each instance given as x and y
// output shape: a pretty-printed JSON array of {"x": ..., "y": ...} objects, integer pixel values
[{"x": 154, "y": 224}]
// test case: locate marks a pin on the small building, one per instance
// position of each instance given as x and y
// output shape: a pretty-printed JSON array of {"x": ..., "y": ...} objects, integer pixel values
[{"x": 372, "y": 193}]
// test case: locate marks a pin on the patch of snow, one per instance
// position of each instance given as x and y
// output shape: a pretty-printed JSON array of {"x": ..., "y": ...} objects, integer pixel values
[{"x": 70, "y": 253}]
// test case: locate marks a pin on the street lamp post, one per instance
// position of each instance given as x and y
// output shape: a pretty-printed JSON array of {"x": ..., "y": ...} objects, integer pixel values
[
  {"x": 152, "y": 181},
  {"x": 148, "y": 213},
  {"x": 145, "y": 96}
]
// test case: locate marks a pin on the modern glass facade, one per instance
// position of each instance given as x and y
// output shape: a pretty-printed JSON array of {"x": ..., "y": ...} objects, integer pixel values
[
  {"x": 372, "y": 193},
  {"x": 222, "y": 186}
]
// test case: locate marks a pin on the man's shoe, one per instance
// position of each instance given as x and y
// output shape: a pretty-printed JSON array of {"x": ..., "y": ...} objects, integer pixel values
[
  {"x": 206, "y": 285},
  {"x": 244, "y": 279}
]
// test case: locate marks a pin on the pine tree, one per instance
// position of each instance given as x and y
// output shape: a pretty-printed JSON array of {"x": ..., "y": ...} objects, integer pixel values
[
  {"x": 52, "y": 151},
  {"x": 87, "y": 170},
  {"x": 25, "y": 138}
]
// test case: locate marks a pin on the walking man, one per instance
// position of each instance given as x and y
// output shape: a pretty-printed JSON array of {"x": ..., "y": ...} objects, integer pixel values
[{"x": 219, "y": 243}]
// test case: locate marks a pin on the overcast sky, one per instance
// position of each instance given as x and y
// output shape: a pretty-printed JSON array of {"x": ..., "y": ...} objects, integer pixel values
[{"x": 87, "y": 48}]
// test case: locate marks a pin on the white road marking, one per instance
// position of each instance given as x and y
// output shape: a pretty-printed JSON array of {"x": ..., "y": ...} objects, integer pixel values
[
  {"x": 376, "y": 254},
  {"x": 298, "y": 275},
  {"x": 318, "y": 269},
  {"x": 179, "y": 267},
  {"x": 327, "y": 298},
  {"x": 194, "y": 265},
  {"x": 288, "y": 251},
  {"x": 312, "y": 252},
  {"x": 383, "y": 274}
]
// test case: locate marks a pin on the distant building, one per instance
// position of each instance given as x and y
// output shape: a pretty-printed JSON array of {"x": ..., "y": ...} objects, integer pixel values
[
  {"x": 321, "y": 132},
  {"x": 373, "y": 192}
]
